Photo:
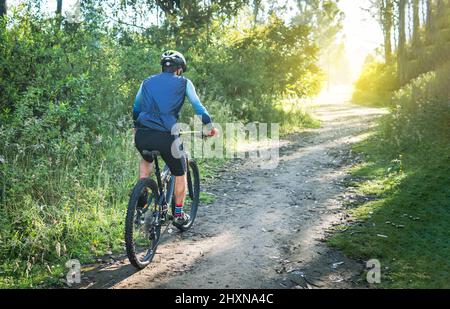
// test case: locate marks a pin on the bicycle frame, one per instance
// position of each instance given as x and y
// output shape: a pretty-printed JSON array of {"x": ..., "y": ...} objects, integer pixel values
[{"x": 159, "y": 179}]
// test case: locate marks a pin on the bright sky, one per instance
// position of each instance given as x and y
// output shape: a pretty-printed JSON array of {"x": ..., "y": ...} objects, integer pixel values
[
  {"x": 48, "y": 5},
  {"x": 363, "y": 34}
]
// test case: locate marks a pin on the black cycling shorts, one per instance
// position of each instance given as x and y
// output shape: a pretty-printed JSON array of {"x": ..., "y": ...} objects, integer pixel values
[{"x": 173, "y": 156}]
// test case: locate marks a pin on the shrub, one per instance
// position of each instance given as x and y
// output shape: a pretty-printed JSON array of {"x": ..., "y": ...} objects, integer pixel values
[
  {"x": 376, "y": 84},
  {"x": 422, "y": 111}
]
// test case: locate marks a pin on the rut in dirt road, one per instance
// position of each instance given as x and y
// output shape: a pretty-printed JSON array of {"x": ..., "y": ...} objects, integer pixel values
[{"x": 265, "y": 228}]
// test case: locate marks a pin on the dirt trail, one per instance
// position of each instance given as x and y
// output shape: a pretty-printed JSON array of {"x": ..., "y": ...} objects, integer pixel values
[{"x": 265, "y": 228}]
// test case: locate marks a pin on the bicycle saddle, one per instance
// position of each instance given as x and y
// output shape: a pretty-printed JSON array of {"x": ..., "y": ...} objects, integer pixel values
[{"x": 150, "y": 155}]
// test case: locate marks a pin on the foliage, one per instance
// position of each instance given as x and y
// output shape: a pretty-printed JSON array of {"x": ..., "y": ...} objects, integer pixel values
[
  {"x": 253, "y": 67},
  {"x": 432, "y": 49},
  {"x": 421, "y": 112},
  {"x": 376, "y": 84},
  {"x": 326, "y": 21}
]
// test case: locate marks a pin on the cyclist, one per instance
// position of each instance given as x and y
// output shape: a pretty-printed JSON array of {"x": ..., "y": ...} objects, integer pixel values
[{"x": 156, "y": 111}]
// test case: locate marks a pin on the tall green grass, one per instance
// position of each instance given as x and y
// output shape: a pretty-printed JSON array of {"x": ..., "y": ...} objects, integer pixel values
[{"x": 76, "y": 210}]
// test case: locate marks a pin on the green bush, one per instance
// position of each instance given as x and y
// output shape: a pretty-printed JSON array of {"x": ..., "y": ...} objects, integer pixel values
[
  {"x": 422, "y": 112},
  {"x": 376, "y": 84}
]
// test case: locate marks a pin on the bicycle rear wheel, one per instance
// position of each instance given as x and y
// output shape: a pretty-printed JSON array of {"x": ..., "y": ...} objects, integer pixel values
[
  {"x": 142, "y": 224},
  {"x": 193, "y": 195}
]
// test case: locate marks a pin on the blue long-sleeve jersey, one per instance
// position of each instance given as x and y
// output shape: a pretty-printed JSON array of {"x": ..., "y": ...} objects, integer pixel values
[{"x": 159, "y": 100}]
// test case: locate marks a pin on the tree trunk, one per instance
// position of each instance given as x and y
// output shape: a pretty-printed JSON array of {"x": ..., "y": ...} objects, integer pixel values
[
  {"x": 401, "y": 41},
  {"x": 416, "y": 24},
  {"x": 58, "y": 12},
  {"x": 429, "y": 20},
  {"x": 256, "y": 8},
  {"x": 59, "y": 7},
  {"x": 2, "y": 7},
  {"x": 388, "y": 23},
  {"x": 440, "y": 7}
]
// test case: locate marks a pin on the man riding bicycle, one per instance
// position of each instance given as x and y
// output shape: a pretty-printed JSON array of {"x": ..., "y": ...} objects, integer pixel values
[{"x": 155, "y": 113}]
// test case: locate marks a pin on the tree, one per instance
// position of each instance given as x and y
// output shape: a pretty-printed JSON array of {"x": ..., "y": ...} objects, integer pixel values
[
  {"x": 182, "y": 21},
  {"x": 191, "y": 10},
  {"x": 387, "y": 27},
  {"x": 323, "y": 16},
  {"x": 429, "y": 20},
  {"x": 325, "y": 19},
  {"x": 383, "y": 12},
  {"x": 2, "y": 8},
  {"x": 416, "y": 24},
  {"x": 256, "y": 9},
  {"x": 169, "y": 7},
  {"x": 58, "y": 7},
  {"x": 401, "y": 53},
  {"x": 58, "y": 13}
]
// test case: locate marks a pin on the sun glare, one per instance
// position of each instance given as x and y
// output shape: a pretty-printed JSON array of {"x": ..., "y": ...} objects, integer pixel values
[{"x": 362, "y": 33}]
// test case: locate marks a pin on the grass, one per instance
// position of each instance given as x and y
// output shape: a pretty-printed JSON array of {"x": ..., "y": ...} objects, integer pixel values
[
  {"x": 294, "y": 115},
  {"x": 77, "y": 238},
  {"x": 410, "y": 205}
]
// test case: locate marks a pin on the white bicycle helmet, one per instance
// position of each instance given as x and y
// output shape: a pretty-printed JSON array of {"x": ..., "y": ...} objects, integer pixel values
[{"x": 173, "y": 58}]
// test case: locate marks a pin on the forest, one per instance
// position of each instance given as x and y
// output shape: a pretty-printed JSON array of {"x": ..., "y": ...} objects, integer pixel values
[
  {"x": 68, "y": 82},
  {"x": 406, "y": 172}
]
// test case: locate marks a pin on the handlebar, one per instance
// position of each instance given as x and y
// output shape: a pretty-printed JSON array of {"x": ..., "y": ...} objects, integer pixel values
[
  {"x": 190, "y": 132},
  {"x": 199, "y": 133}
]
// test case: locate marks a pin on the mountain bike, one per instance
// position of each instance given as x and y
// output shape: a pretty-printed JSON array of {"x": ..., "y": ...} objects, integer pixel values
[{"x": 151, "y": 208}]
